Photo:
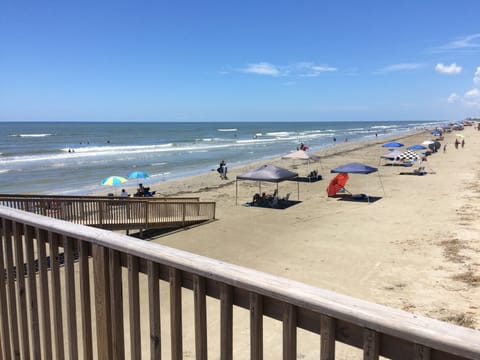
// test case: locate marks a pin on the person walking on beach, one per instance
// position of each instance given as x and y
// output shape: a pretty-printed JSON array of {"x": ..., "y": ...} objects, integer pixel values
[
  {"x": 463, "y": 143},
  {"x": 456, "y": 143}
]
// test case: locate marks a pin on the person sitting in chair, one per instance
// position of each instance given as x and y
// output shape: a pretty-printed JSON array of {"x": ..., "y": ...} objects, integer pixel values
[{"x": 140, "y": 190}]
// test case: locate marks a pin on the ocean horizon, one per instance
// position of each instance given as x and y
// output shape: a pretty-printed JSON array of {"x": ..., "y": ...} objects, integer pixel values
[{"x": 71, "y": 158}]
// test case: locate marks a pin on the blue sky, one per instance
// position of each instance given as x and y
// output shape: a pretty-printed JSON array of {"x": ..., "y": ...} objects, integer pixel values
[{"x": 239, "y": 60}]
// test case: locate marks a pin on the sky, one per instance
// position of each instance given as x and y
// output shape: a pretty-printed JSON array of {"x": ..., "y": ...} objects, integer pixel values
[{"x": 239, "y": 60}]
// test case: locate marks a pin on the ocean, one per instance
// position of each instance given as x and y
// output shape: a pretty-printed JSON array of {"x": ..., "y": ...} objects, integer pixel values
[{"x": 72, "y": 158}]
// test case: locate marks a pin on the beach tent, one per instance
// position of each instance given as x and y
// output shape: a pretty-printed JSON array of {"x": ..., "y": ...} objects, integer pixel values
[
  {"x": 302, "y": 155},
  {"x": 354, "y": 168},
  {"x": 417, "y": 147},
  {"x": 409, "y": 155},
  {"x": 392, "y": 155},
  {"x": 392, "y": 144},
  {"x": 357, "y": 168},
  {"x": 267, "y": 173}
]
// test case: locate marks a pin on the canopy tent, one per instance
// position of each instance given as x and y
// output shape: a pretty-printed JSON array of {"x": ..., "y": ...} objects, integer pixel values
[
  {"x": 392, "y": 144},
  {"x": 354, "y": 168},
  {"x": 392, "y": 154},
  {"x": 417, "y": 147},
  {"x": 267, "y": 173},
  {"x": 302, "y": 155},
  {"x": 409, "y": 155},
  {"x": 357, "y": 168}
]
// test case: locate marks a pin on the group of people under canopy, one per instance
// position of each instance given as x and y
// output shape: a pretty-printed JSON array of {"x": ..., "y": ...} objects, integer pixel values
[{"x": 271, "y": 173}]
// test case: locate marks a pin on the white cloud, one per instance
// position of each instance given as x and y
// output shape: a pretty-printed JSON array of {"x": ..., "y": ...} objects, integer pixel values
[
  {"x": 469, "y": 41},
  {"x": 301, "y": 69},
  {"x": 399, "y": 67},
  {"x": 306, "y": 69},
  {"x": 453, "y": 98},
  {"x": 451, "y": 69},
  {"x": 262, "y": 68},
  {"x": 470, "y": 98},
  {"x": 476, "y": 78}
]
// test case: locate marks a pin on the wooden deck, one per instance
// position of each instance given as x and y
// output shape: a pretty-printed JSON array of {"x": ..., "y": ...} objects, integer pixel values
[{"x": 116, "y": 213}]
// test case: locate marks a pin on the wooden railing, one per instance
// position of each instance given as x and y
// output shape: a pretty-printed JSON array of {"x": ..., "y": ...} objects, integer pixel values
[
  {"x": 50, "y": 309},
  {"x": 116, "y": 213}
]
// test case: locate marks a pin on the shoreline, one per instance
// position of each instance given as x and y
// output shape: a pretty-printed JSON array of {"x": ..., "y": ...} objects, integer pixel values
[{"x": 173, "y": 187}]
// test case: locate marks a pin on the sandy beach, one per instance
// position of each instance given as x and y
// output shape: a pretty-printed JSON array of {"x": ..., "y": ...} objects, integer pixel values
[{"x": 416, "y": 248}]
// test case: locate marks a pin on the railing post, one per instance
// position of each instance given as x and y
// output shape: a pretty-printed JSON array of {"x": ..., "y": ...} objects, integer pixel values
[
  {"x": 256, "y": 326},
  {"x": 371, "y": 344},
  {"x": 200, "y": 305},
  {"x": 327, "y": 338},
  {"x": 289, "y": 332},
  {"x": 176, "y": 313},
  {"x": 184, "y": 210},
  {"x": 102, "y": 302},
  {"x": 226, "y": 322}
]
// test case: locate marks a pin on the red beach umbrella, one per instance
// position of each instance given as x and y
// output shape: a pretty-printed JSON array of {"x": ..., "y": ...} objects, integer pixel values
[{"x": 337, "y": 183}]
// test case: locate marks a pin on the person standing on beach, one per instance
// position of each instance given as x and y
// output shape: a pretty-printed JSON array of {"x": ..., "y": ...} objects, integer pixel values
[
  {"x": 463, "y": 143},
  {"x": 225, "y": 169},
  {"x": 221, "y": 169}
]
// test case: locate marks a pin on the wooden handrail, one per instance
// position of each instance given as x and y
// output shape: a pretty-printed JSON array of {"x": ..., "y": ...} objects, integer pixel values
[
  {"x": 377, "y": 329},
  {"x": 117, "y": 213}
]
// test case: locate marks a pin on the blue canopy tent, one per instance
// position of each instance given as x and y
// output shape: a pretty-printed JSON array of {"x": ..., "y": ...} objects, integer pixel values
[
  {"x": 392, "y": 144},
  {"x": 417, "y": 147},
  {"x": 357, "y": 168}
]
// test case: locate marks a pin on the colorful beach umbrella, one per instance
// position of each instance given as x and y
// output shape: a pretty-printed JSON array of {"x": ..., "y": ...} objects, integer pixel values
[
  {"x": 138, "y": 175},
  {"x": 113, "y": 180}
]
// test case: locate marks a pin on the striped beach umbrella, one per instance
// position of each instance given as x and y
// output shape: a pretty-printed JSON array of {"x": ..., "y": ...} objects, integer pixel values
[{"x": 113, "y": 180}]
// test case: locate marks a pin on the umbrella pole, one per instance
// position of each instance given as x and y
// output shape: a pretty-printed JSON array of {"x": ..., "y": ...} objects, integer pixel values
[{"x": 236, "y": 191}]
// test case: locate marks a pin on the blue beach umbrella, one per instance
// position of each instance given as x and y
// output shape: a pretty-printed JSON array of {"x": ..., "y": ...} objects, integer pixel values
[
  {"x": 416, "y": 147},
  {"x": 138, "y": 175},
  {"x": 113, "y": 180},
  {"x": 392, "y": 144}
]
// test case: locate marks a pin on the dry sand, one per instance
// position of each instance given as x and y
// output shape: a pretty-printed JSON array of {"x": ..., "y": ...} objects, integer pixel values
[{"x": 416, "y": 248}]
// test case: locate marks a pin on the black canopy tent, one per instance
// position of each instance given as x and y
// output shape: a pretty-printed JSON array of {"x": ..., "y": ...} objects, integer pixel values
[{"x": 267, "y": 173}]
